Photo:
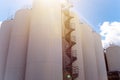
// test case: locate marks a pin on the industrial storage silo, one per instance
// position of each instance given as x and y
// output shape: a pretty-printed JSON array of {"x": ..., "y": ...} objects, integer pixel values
[
  {"x": 5, "y": 32},
  {"x": 89, "y": 55},
  {"x": 16, "y": 60},
  {"x": 102, "y": 72},
  {"x": 77, "y": 48},
  {"x": 113, "y": 58},
  {"x": 44, "y": 59}
]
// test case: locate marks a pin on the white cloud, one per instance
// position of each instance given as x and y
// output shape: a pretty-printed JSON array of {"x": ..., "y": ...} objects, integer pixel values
[
  {"x": 0, "y": 24},
  {"x": 111, "y": 33}
]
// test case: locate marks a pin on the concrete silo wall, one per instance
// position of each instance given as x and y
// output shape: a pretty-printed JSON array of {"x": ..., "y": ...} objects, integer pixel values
[
  {"x": 44, "y": 60},
  {"x": 16, "y": 60},
  {"x": 89, "y": 55},
  {"x": 5, "y": 32},
  {"x": 100, "y": 57},
  {"x": 113, "y": 58},
  {"x": 78, "y": 46},
  {"x": 79, "y": 61}
]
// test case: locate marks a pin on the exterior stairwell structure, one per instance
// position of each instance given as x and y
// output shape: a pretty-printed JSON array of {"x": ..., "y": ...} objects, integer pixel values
[{"x": 70, "y": 72}]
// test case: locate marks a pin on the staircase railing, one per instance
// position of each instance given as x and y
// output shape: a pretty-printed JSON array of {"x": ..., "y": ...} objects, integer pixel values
[{"x": 70, "y": 72}]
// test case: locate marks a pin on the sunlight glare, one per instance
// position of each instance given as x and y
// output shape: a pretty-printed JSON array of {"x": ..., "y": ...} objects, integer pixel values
[{"x": 63, "y": 1}]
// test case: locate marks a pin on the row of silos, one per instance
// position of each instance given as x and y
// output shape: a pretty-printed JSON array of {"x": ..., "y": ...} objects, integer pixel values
[
  {"x": 31, "y": 48},
  {"x": 89, "y": 52},
  {"x": 13, "y": 46},
  {"x": 17, "y": 52},
  {"x": 93, "y": 57}
]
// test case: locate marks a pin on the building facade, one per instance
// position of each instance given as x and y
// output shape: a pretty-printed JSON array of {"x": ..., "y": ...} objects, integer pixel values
[{"x": 48, "y": 42}]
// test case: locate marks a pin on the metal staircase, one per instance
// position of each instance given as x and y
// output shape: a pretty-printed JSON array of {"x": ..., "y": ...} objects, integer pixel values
[{"x": 70, "y": 72}]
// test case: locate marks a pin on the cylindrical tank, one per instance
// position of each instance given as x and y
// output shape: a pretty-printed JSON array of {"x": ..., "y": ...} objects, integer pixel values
[
  {"x": 79, "y": 64},
  {"x": 100, "y": 57},
  {"x": 44, "y": 60},
  {"x": 89, "y": 55},
  {"x": 16, "y": 60},
  {"x": 113, "y": 58},
  {"x": 5, "y": 32}
]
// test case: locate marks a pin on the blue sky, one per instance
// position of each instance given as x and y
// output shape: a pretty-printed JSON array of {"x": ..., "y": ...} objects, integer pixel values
[
  {"x": 98, "y": 11},
  {"x": 95, "y": 12},
  {"x": 8, "y": 7},
  {"x": 102, "y": 15}
]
